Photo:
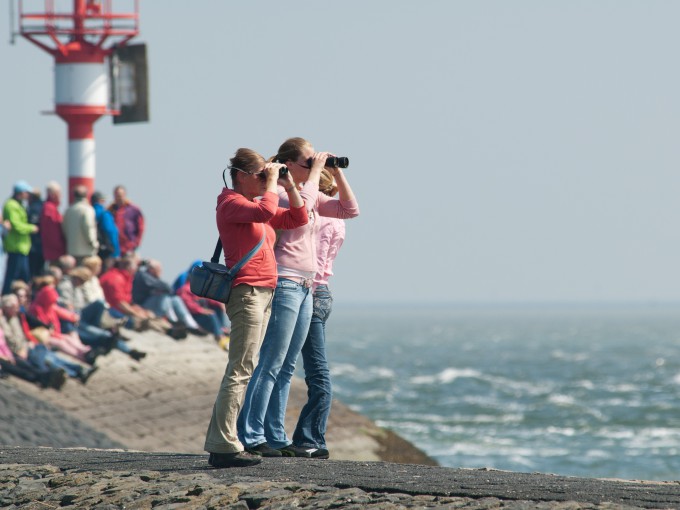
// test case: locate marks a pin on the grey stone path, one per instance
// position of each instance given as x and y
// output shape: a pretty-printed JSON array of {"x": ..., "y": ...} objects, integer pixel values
[{"x": 370, "y": 477}]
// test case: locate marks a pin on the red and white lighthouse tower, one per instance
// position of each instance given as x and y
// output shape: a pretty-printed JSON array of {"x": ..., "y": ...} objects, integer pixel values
[{"x": 80, "y": 42}]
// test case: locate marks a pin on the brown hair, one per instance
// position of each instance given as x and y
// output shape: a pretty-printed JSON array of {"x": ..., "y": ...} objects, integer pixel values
[
  {"x": 245, "y": 159},
  {"x": 43, "y": 281},
  {"x": 327, "y": 184},
  {"x": 291, "y": 149}
]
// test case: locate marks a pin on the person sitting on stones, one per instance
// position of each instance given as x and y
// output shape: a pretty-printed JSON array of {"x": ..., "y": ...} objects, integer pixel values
[
  {"x": 89, "y": 320},
  {"x": 61, "y": 270},
  {"x": 117, "y": 286},
  {"x": 17, "y": 325},
  {"x": 20, "y": 367},
  {"x": 22, "y": 291},
  {"x": 45, "y": 308},
  {"x": 91, "y": 291},
  {"x": 152, "y": 293}
]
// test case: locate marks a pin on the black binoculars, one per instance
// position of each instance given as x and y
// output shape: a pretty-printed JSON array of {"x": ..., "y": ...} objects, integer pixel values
[
  {"x": 282, "y": 171},
  {"x": 333, "y": 162}
]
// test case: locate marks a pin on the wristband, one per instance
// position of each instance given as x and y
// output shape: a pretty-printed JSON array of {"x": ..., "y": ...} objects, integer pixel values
[{"x": 288, "y": 189}]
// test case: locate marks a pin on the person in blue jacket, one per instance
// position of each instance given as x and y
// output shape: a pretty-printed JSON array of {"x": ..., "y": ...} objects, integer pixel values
[{"x": 107, "y": 231}]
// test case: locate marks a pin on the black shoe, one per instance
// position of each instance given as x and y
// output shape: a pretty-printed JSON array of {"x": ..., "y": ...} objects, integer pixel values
[
  {"x": 239, "y": 459},
  {"x": 317, "y": 453},
  {"x": 120, "y": 336},
  {"x": 110, "y": 344},
  {"x": 92, "y": 354},
  {"x": 57, "y": 378},
  {"x": 137, "y": 355},
  {"x": 198, "y": 331},
  {"x": 86, "y": 373},
  {"x": 178, "y": 332},
  {"x": 264, "y": 450},
  {"x": 295, "y": 451}
]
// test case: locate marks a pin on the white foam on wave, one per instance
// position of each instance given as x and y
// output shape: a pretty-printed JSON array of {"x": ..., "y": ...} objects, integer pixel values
[
  {"x": 576, "y": 357},
  {"x": 676, "y": 379},
  {"x": 446, "y": 376},
  {"x": 562, "y": 400},
  {"x": 356, "y": 373}
]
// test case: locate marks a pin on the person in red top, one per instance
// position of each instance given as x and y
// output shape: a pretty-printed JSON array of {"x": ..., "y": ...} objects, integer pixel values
[
  {"x": 117, "y": 286},
  {"x": 45, "y": 309},
  {"x": 129, "y": 220},
  {"x": 51, "y": 234},
  {"x": 244, "y": 214}
]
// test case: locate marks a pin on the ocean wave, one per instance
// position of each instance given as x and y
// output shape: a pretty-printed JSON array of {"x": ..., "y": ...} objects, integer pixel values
[
  {"x": 361, "y": 374},
  {"x": 562, "y": 400},
  {"x": 446, "y": 376},
  {"x": 570, "y": 356}
]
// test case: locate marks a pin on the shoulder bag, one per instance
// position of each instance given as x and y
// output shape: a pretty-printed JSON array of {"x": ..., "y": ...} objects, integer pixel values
[{"x": 213, "y": 280}]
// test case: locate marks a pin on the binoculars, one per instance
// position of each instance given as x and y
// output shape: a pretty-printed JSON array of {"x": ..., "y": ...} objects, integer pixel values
[
  {"x": 333, "y": 161},
  {"x": 282, "y": 171}
]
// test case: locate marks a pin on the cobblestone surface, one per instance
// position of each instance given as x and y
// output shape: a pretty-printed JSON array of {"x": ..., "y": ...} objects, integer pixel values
[{"x": 34, "y": 487}]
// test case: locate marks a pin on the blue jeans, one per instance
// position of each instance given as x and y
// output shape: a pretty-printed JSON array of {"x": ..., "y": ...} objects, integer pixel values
[
  {"x": 17, "y": 269},
  {"x": 170, "y": 307},
  {"x": 311, "y": 426},
  {"x": 210, "y": 322},
  {"x": 92, "y": 313},
  {"x": 98, "y": 337},
  {"x": 42, "y": 358},
  {"x": 264, "y": 408}
]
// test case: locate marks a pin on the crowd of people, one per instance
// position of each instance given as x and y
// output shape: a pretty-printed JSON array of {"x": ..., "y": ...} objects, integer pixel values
[{"x": 74, "y": 282}]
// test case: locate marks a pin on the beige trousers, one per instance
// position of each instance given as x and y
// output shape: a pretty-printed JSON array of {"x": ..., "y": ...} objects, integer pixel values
[{"x": 249, "y": 309}]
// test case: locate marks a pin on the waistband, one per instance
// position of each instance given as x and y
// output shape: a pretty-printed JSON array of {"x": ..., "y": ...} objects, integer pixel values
[{"x": 303, "y": 282}]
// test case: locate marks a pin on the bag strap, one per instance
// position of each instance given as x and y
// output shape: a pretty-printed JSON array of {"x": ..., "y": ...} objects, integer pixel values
[{"x": 218, "y": 248}]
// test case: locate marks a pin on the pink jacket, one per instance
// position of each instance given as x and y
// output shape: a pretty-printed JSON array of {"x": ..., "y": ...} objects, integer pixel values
[
  {"x": 5, "y": 351},
  {"x": 330, "y": 238},
  {"x": 296, "y": 249}
]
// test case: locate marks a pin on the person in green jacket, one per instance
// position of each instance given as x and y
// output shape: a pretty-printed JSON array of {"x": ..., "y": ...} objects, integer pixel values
[{"x": 17, "y": 241}]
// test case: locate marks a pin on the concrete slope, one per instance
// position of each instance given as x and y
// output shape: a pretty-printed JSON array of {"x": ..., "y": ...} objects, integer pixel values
[{"x": 163, "y": 403}]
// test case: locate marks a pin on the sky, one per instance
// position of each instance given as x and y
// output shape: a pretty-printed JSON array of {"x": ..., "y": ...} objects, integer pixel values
[{"x": 501, "y": 152}]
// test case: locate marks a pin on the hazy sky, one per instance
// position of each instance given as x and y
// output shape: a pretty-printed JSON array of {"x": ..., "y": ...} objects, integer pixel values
[{"x": 501, "y": 151}]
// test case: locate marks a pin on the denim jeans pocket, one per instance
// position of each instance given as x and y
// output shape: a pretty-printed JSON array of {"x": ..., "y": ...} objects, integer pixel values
[{"x": 323, "y": 304}]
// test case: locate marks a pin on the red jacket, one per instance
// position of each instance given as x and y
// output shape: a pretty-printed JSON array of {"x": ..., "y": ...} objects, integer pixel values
[
  {"x": 240, "y": 223},
  {"x": 51, "y": 234},
  {"x": 44, "y": 307},
  {"x": 117, "y": 286}
]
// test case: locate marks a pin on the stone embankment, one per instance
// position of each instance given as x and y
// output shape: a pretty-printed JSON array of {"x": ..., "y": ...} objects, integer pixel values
[{"x": 163, "y": 404}]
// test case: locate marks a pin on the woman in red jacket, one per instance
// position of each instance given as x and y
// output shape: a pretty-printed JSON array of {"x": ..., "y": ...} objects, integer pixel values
[
  {"x": 44, "y": 308},
  {"x": 245, "y": 215}
]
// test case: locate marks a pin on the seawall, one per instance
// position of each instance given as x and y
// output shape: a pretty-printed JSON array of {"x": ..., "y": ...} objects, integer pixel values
[{"x": 163, "y": 404}]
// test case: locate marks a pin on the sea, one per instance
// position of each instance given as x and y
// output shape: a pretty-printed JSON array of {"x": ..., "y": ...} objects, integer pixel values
[{"x": 588, "y": 391}]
